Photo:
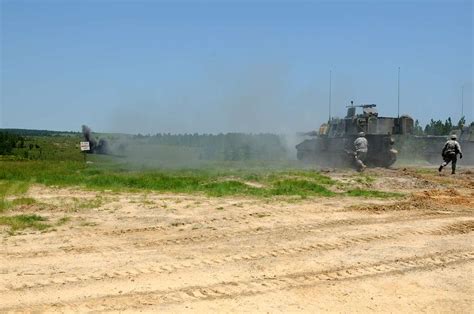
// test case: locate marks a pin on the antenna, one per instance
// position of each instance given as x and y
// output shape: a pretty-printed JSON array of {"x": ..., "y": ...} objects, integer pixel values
[
  {"x": 330, "y": 81},
  {"x": 398, "y": 104},
  {"x": 462, "y": 101}
]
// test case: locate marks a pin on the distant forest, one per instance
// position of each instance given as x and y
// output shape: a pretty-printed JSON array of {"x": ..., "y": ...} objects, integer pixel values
[
  {"x": 32, "y": 144},
  {"x": 11, "y": 143},
  {"x": 439, "y": 127},
  {"x": 230, "y": 146},
  {"x": 28, "y": 132}
]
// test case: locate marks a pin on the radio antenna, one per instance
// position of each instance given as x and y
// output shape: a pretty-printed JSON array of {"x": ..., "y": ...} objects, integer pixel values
[
  {"x": 398, "y": 103},
  {"x": 330, "y": 86}
]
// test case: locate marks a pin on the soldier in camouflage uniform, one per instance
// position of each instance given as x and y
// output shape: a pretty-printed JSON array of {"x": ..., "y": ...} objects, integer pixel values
[
  {"x": 450, "y": 154},
  {"x": 361, "y": 146}
]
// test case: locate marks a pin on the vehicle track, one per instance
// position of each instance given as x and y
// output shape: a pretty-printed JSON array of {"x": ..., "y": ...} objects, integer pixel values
[
  {"x": 261, "y": 285},
  {"x": 301, "y": 228},
  {"x": 205, "y": 237},
  {"x": 157, "y": 268},
  {"x": 298, "y": 228},
  {"x": 181, "y": 223}
]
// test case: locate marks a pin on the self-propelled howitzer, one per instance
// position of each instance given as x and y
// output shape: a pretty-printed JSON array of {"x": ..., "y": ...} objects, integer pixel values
[{"x": 334, "y": 140}]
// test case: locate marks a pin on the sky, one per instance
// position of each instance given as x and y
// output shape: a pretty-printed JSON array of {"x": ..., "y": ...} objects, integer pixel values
[{"x": 230, "y": 66}]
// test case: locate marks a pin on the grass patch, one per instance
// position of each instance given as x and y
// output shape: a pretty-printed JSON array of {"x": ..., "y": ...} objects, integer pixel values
[
  {"x": 20, "y": 222},
  {"x": 432, "y": 171},
  {"x": 8, "y": 188},
  {"x": 372, "y": 193},
  {"x": 299, "y": 187},
  {"x": 63, "y": 221},
  {"x": 6, "y": 204},
  {"x": 231, "y": 188},
  {"x": 11, "y": 188},
  {"x": 314, "y": 176},
  {"x": 215, "y": 181},
  {"x": 87, "y": 204},
  {"x": 23, "y": 201},
  {"x": 364, "y": 179}
]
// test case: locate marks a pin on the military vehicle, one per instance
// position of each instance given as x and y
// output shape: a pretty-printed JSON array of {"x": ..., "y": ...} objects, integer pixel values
[
  {"x": 431, "y": 146},
  {"x": 332, "y": 145}
]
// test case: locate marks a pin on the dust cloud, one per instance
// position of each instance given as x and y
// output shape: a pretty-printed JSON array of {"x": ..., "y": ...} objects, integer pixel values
[
  {"x": 260, "y": 98},
  {"x": 245, "y": 114}
]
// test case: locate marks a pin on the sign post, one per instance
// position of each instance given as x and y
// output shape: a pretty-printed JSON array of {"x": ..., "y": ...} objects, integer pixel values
[{"x": 85, "y": 147}]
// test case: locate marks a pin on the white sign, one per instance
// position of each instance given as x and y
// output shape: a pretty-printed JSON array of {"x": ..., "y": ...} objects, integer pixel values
[{"x": 85, "y": 146}]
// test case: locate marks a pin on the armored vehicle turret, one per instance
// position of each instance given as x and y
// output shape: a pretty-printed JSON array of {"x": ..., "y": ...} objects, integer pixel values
[{"x": 334, "y": 140}]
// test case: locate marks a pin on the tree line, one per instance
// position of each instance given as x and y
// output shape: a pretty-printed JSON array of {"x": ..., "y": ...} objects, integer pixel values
[
  {"x": 229, "y": 146},
  {"x": 29, "y": 132},
  {"x": 11, "y": 141},
  {"x": 438, "y": 127}
]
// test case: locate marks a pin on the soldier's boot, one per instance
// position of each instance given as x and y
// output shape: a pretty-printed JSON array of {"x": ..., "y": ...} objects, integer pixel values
[
  {"x": 444, "y": 164},
  {"x": 453, "y": 166},
  {"x": 360, "y": 165}
]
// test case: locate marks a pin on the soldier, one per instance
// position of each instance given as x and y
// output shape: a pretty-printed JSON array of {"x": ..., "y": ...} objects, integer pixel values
[
  {"x": 450, "y": 153},
  {"x": 361, "y": 146}
]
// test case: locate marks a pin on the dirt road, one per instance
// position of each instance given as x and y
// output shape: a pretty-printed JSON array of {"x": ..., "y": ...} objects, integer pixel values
[{"x": 152, "y": 252}]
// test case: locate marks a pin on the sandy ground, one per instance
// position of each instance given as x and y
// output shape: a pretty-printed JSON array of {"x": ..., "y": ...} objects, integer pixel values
[{"x": 188, "y": 253}]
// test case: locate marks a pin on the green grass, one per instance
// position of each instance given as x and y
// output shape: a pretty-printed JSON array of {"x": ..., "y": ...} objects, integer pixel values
[
  {"x": 372, "y": 193},
  {"x": 20, "y": 222},
  {"x": 8, "y": 188},
  {"x": 312, "y": 175},
  {"x": 6, "y": 204},
  {"x": 23, "y": 201},
  {"x": 300, "y": 187},
  {"x": 31, "y": 221},
  {"x": 217, "y": 181},
  {"x": 87, "y": 204},
  {"x": 13, "y": 188},
  {"x": 364, "y": 179},
  {"x": 231, "y": 188},
  {"x": 432, "y": 170}
]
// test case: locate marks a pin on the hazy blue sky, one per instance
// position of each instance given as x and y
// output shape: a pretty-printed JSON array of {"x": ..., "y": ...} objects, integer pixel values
[{"x": 250, "y": 66}]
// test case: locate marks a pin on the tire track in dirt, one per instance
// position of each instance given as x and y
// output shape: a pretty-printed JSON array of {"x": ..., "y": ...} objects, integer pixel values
[
  {"x": 345, "y": 242},
  {"x": 181, "y": 223},
  {"x": 239, "y": 219},
  {"x": 300, "y": 228},
  {"x": 207, "y": 222},
  {"x": 186, "y": 240},
  {"x": 233, "y": 289},
  {"x": 457, "y": 228}
]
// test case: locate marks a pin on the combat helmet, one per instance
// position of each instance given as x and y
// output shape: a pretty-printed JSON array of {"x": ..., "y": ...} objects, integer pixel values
[
  {"x": 453, "y": 136},
  {"x": 361, "y": 134}
]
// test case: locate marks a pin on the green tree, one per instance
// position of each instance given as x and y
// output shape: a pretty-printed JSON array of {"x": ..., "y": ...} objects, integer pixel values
[
  {"x": 438, "y": 127},
  {"x": 462, "y": 122},
  {"x": 417, "y": 130}
]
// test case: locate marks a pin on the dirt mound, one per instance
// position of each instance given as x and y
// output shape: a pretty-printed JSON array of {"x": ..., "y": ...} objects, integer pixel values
[
  {"x": 426, "y": 200},
  {"x": 459, "y": 228},
  {"x": 463, "y": 178},
  {"x": 448, "y": 197}
]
